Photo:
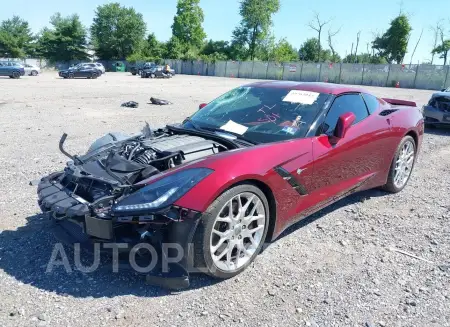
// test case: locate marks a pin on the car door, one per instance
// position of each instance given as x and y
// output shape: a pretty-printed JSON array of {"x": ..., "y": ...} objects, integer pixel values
[
  {"x": 2, "y": 70},
  {"x": 355, "y": 161}
]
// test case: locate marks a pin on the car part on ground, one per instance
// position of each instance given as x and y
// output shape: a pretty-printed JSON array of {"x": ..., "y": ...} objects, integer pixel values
[
  {"x": 130, "y": 104},
  {"x": 159, "y": 102},
  {"x": 245, "y": 166}
]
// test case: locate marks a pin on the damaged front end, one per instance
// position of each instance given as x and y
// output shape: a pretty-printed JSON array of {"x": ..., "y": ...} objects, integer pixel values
[{"x": 116, "y": 194}]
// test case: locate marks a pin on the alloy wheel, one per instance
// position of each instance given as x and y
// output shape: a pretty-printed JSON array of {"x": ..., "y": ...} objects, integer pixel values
[
  {"x": 404, "y": 164},
  {"x": 237, "y": 231}
]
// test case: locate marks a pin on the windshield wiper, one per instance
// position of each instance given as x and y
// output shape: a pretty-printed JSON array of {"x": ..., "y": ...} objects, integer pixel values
[{"x": 237, "y": 135}]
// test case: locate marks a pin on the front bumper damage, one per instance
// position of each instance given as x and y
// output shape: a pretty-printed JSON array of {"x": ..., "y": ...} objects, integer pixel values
[{"x": 75, "y": 221}]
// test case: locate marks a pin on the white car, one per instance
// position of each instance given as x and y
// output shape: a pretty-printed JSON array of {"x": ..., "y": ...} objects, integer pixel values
[
  {"x": 100, "y": 66},
  {"x": 31, "y": 70}
]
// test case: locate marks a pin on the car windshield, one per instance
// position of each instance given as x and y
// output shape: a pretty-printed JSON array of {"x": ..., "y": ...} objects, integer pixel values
[{"x": 261, "y": 114}]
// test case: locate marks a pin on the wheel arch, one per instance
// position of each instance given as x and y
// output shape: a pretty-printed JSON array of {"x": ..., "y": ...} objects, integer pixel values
[
  {"x": 414, "y": 135},
  {"x": 270, "y": 199}
]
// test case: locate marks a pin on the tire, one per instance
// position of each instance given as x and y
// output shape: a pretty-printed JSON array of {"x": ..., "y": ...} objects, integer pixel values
[
  {"x": 204, "y": 236},
  {"x": 94, "y": 75},
  {"x": 71, "y": 75},
  {"x": 391, "y": 185},
  {"x": 34, "y": 73},
  {"x": 152, "y": 75},
  {"x": 15, "y": 75},
  {"x": 133, "y": 74}
]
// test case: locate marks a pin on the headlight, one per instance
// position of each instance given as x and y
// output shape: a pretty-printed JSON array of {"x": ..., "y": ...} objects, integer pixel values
[{"x": 162, "y": 193}]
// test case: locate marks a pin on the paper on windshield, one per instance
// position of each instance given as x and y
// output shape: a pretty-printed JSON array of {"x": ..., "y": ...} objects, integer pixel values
[
  {"x": 233, "y": 127},
  {"x": 303, "y": 97}
]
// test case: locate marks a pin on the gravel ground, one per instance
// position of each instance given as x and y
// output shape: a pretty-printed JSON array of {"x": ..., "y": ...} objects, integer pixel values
[{"x": 333, "y": 269}]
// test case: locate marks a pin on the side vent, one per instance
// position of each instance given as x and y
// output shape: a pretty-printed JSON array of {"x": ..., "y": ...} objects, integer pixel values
[
  {"x": 387, "y": 112},
  {"x": 291, "y": 180}
]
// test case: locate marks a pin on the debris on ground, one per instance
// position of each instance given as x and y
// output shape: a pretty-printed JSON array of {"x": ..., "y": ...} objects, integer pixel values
[
  {"x": 130, "y": 104},
  {"x": 159, "y": 102}
]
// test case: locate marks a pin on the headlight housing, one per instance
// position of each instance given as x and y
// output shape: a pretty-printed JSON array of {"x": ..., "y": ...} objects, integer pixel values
[{"x": 162, "y": 193}]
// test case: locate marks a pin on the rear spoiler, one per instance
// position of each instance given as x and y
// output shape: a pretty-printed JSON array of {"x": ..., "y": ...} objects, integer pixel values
[{"x": 400, "y": 102}]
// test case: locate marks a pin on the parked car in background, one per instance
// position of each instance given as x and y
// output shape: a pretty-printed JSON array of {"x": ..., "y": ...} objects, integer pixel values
[
  {"x": 80, "y": 71},
  {"x": 12, "y": 69},
  {"x": 137, "y": 68},
  {"x": 93, "y": 65},
  {"x": 157, "y": 71},
  {"x": 32, "y": 70},
  {"x": 100, "y": 66},
  {"x": 437, "y": 111}
]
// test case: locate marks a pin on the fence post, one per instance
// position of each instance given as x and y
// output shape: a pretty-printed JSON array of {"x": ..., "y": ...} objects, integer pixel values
[
  {"x": 320, "y": 72},
  {"x": 362, "y": 77},
  {"x": 253, "y": 66},
  {"x": 415, "y": 76},
  {"x": 301, "y": 72},
  {"x": 226, "y": 66},
  {"x": 389, "y": 73},
  {"x": 340, "y": 72},
  {"x": 446, "y": 77},
  {"x": 239, "y": 69},
  {"x": 267, "y": 69}
]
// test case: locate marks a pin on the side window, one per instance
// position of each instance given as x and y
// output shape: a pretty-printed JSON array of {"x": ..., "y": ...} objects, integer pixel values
[
  {"x": 372, "y": 102},
  {"x": 345, "y": 103}
]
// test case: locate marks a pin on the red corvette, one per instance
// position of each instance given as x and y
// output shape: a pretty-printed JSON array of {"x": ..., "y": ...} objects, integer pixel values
[{"x": 233, "y": 175}]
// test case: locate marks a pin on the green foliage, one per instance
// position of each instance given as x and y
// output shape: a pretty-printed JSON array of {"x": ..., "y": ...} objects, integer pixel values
[
  {"x": 364, "y": 58},
  {"x": 174, "y": 49},
  {"x": 16, "y": 39},
  {"x": 187, "y": 25},
  {"x": 66, "y": 40},
  {"x": 254, "y": 27},
  {"x": 216, "y": 50},
  {"x": 442, "y": 50},
  {"x": 117, "y": 31},
  {"x": 309, "y": 51},
  {"x": 394, "y": 42}
]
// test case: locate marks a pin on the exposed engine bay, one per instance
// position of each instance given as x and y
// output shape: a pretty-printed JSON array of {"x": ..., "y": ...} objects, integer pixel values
[{"x": 116, "y": 161}]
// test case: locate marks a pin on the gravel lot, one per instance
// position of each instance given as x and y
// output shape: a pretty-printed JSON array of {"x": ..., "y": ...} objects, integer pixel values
[{"x": 333, "y": 269}]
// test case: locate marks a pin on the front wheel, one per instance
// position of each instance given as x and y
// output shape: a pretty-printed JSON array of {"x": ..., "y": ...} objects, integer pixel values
[
  {"x": 231, "y": 232},
  {"x": 94, "y": 75},
  {"x": 15, "y": 74},
  {"x": 402, "y": 165},
  {"x": 34, "y": 73}
]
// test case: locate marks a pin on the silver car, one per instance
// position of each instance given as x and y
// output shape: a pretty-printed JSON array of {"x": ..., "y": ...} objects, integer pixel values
[
  {"x": 31, "y": 70},
  {"x": 437, "y": 111},
  {"x": 100, "y": 66}
]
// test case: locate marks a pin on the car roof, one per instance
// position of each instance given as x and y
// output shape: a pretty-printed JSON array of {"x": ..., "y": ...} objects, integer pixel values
[{"x": 309, "y": 86}]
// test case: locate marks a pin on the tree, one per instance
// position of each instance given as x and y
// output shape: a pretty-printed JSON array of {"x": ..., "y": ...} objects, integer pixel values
[
  {"x": 364, "y": 58},
  {"x": 309, "y": 51},
  {"x": 117, "y": 31},
  {"x": 216, "y": 50},
  {"x": 285, "y": 52},
  {"x": 443, "y": 50},
  {"x": 436, "y": 32},
  {"x": 334, "y": 55},
  {"x": 254, "y": 26},
  {"x": 152, "y": 47},
  {"x": 187, "y": 25},
  {"x": 358, "y": 36},
  {"x": 415, "y": 48},
  {"x": 394, "y": 42},
  {"x": 174, "y": 49},
  {"x": 66, "y": 40},
  {"x": 318, "y": 28},
  {"x": 16, "y": 39},
  {"x": 265, "y": 49}
]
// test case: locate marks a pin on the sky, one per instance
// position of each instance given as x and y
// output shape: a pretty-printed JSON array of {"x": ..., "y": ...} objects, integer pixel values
[{"x": 222, "y": 16}]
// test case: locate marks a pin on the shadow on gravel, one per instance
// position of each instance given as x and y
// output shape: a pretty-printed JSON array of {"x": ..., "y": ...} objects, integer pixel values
[
  {"x": 25, "y": 253},
  {"x": 441, "y": 130},
  {"x": 352, "y": 199}
]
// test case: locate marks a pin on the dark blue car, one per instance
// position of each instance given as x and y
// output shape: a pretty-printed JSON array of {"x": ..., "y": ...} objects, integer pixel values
[{"x": 12, "y": 69}]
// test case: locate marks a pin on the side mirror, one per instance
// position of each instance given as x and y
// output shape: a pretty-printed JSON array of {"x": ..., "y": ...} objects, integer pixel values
[
  {"x": 344, "y": 123},
  {"x": 202, "y": 105}
]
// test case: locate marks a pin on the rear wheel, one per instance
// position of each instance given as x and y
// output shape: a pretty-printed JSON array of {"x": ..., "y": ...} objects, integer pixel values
[
  {"x": 15, "y": 74},
  {"x": 34, "y": 73},
  {"x": 94, "y": 75},
  {"x": 71, "y": 75},
  {"x": 152, "y": 75},
  {"x": 232, "y": 231},
  {"x": 402, "y": 165}
]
